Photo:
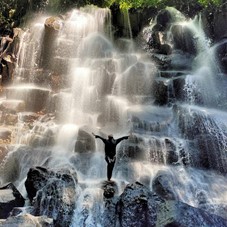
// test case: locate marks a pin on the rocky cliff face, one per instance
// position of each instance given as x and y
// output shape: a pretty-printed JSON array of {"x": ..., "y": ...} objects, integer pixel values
[
  {"x": 60, "y": 198},
  {"x": 136, "y": 206}
]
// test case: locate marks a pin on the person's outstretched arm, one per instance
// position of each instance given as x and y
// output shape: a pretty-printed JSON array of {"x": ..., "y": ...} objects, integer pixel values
[
  {"x": 122, "y": 138},
  {"x": 99, "y": 137}
]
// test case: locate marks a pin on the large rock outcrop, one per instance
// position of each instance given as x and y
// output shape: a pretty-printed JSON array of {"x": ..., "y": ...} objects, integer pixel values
[
  {"x": 138, "y": 206},
  {"x": 52, "y": 193},
  {"x": 205, "y": 136},
  {"x": 10, "y": 197},
  {"x": 27, "y": 220}
]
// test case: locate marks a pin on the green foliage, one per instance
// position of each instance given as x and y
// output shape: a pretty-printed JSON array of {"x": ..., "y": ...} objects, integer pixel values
[
  {"x": 12, "y": 11},
  {"x": 5, "y": 15},
  {"x": 209, "y": 2},
  {"x": 127, "y": 4}
]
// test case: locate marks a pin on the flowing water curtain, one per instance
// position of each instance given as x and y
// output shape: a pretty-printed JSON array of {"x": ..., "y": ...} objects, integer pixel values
[
  {"x": 84, "y": 68},
  {"x": 29, "y": 52}
]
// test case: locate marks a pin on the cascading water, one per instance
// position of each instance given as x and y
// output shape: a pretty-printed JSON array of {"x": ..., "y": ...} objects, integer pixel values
[{"x": 99, "y": 88}]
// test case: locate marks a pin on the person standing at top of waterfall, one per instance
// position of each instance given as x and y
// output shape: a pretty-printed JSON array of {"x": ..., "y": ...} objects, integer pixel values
[{"x": 110, "y": 151}]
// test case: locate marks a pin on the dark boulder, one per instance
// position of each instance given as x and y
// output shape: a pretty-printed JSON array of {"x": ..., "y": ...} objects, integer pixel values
[
  {"x": 163, "y": 61},
  {"x": 52, "y": 27},
  {"x": 164, "y": 19},
  {"x": 173, "y": 213},
  {"x": 221, "y": 53},
  {"x": 206, "y": 146},
  {"x": 109, "y": 189},
  {"x": 163, "y": 185},
  {"x": 85, "y": 142},
  {"x": 183, "y": 39},
  {"x": 219, "y": 20},
  {"x": 171, "y": 151},
  {"x": 137, "y": 206},
  {"x": 10, "y": 197},
  {"x": 165, "y": 49},
  {"x": 52, "y": 193},
  {"x": 211, "y": 153},
  {"x": 160, "y": 92}
]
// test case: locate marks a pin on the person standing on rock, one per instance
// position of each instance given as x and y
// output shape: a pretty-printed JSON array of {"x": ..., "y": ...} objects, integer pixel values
[{"x": 110, "y": 151}]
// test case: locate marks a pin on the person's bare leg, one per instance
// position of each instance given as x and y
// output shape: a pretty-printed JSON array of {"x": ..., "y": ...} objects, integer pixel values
[{"x": 110, "y": 167}]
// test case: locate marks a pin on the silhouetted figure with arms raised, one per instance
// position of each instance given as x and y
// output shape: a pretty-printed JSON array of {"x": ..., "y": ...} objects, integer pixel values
[{"x": 110, "y": 151}]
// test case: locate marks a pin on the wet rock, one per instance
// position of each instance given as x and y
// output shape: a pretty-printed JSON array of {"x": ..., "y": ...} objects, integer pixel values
[
  {"x": 183, "y": 39},
  {"x": 164, "y": 19},
  {"x": 163, "y": 185},
  {"x": 165, "y": 49},
  {"x": 201, "y": 198},
  {"x": 27, "y": 220},
  {"x": 137, "y": 206},
  {"x": 52, "y": 193},
  {"x": 217, "y": 209},
  {"x": 5, "y": 135},
  {"x": 180, "y": 60},
  {"x": 10, "y": 197},
  {"x": 210, "y": 153},
  {"x": 134, "y": 152},
  {"x": 110, "y": 201},
  {"x": 38, "y": 177},
  {"x": 12, "y": 106},
  {"x": 163, "y": 61},
  {"x": 28, "y": 94},
  {"x": 109, "y": 189},
  {"x": 22, "y": 210},
  {"x": 132, "y": 149},
  {"x": 178, "y": 88},
  {"x": 12, "y": 168},
  {"x": 160, "y": 92},
  {"x": 155, "y": 40},
  {"x": 171, "y": 152},
  {"x": 97, "y": 46},
  {"x": 172, "y": 213},
  {"x": 109, "y": 213},
  {"x": 11, "y": 119},
  {"x": 206, "y": 148},
  {"x": 53, "y": 23},
  {"x": 29, "y": 117},
  {"x": 3, "y": 151},
  {"x": 36, "y": 140},
  {"x": 138, "y": 18},
  {"x": 61, "y": 66},
  {"x": 155, "y": 119},
  {"x": 168, "y": 90},
  {"x": 85, "y": 142},
  {"x": 222, "y": 54},
  {"x": 6, "y": 77},
  {"x": 52, "y": 27},
  {"x": 219, "y": 20}
]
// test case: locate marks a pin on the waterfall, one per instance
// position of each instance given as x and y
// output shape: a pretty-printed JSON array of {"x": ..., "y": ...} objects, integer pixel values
[{"x": 72, "y": 79}]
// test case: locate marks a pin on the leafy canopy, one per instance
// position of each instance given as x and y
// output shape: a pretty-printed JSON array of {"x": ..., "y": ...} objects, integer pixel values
[{"x": 127, "y": 4}]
